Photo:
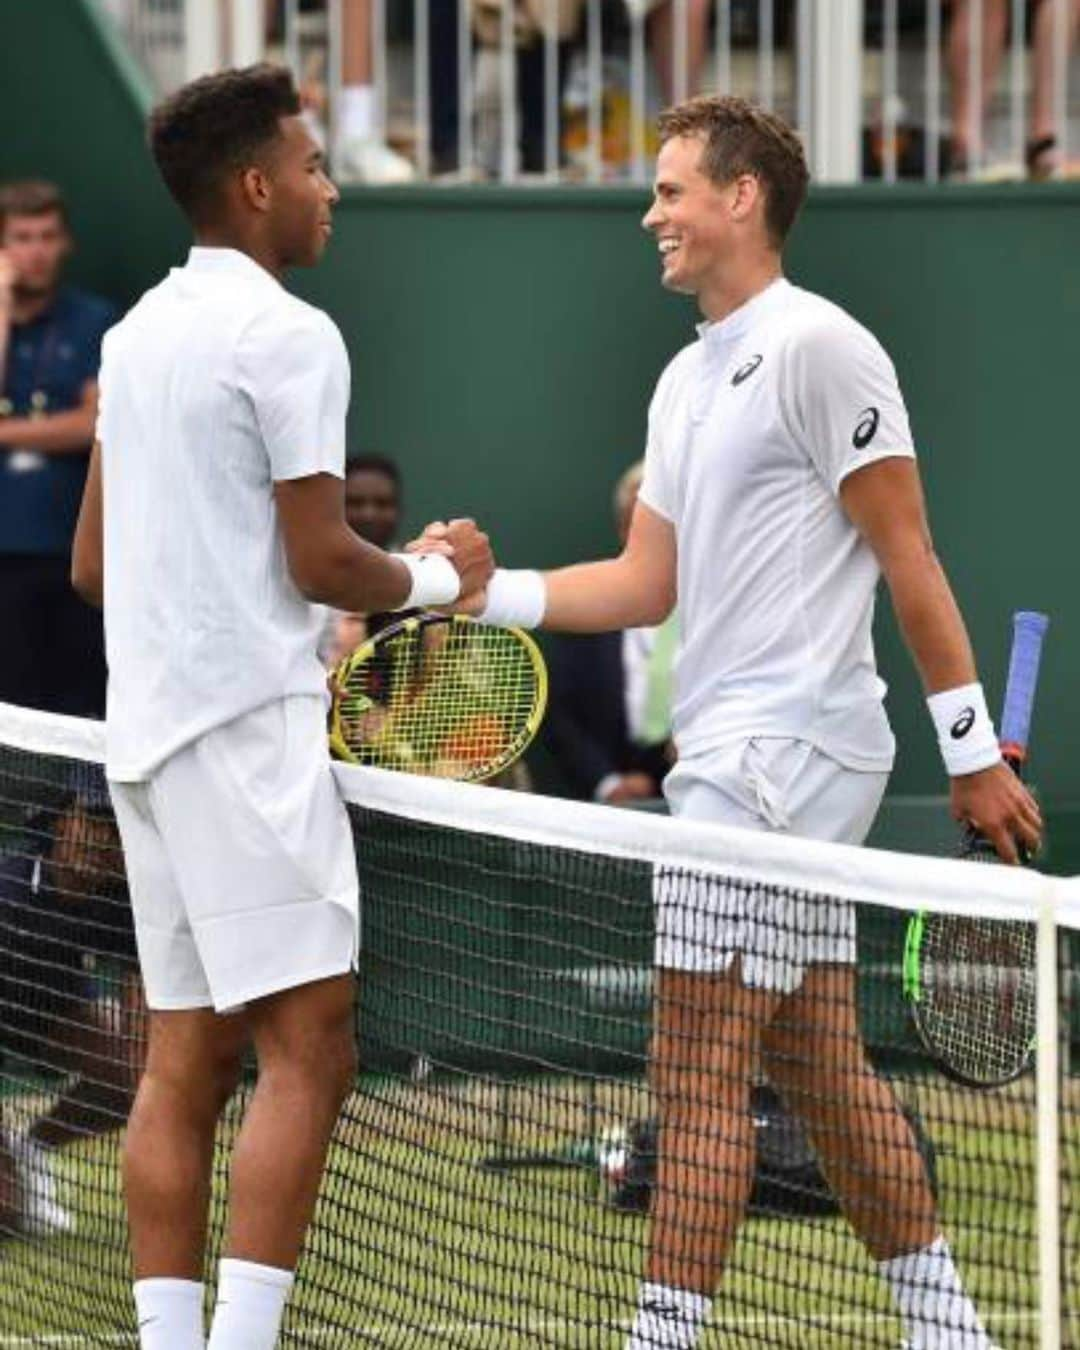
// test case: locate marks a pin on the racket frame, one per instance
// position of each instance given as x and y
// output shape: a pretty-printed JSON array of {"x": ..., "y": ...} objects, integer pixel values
[{"x": 415, "y": 623}]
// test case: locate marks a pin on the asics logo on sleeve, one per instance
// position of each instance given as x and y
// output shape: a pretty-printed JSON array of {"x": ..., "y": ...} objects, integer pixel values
[
  {"x": 745, "y": 371},
  {"x": 963, "y": 724},
  {"x": 866, "y": 428}
]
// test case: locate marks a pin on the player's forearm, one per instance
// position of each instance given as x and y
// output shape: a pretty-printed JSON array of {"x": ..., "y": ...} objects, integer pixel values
[
  {"x": 600, "y": 597},
  {"x": 930, "y": 620},
  {"x": 352, "y": 575},
  {"x": 54, "y": 434}
]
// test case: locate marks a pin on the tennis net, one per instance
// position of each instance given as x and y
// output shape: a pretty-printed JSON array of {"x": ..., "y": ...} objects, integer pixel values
[{"x": 491, "y": 1173}]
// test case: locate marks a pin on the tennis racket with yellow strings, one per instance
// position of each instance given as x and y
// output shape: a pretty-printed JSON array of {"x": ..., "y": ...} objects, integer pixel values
[{"x": 439, "y": 695}]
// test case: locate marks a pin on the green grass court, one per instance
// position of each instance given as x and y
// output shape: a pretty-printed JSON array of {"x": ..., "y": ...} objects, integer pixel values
[{"x": 415, "y": 1245}]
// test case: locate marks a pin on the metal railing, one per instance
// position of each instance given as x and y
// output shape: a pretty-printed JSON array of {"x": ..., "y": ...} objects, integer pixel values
[{"x": 567, "y": 90}]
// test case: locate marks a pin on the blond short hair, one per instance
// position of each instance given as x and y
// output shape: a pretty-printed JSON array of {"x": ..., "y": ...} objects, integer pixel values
[{"x": 738, "y": 137}]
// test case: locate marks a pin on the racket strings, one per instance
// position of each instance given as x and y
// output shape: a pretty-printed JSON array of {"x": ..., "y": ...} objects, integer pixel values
[
  {"x": 978, "y": 994},
  {"x": 443, "y": 699}
]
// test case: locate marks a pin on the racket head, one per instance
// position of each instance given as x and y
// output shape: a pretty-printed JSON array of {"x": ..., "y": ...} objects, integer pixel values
[
  {"x": 970, "y": 984},
  {"x": 439, "y": 695}
]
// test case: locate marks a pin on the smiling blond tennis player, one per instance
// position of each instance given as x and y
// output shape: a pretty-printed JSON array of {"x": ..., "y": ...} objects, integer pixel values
[{"x": 780, "y": 483}]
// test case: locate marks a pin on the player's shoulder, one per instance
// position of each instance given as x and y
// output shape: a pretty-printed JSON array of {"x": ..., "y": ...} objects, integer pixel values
[
  {"x": 809, "y": 317},
  {"x": 128, "y": 329},
  {"x": 816, "y": 335},
  {"x": 281, "y": 317},
  {"x": 812, "y": 321}
]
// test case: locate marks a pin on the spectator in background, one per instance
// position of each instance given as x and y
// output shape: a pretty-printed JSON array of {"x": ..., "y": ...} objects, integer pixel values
[
  {"x": 530, "y": 20},
  {"x": 52, "y": 656},
  {"x": 373, "y": 511},
  {"x": 64, "y": 907},
  {"x": 609, "y": 715},
  {"x": 969, "y": 104},
  {"x": 661, "y": 17},
  {"x": 361, "y": 152}
]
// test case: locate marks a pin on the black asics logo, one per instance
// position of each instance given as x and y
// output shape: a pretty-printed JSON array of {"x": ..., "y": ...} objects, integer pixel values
[
  {"x": 666, "y": 1312},
  {"x": 963, "y": 724},
  {"x": 745, "y": 371},
  {"x": 866, "y": 428}
]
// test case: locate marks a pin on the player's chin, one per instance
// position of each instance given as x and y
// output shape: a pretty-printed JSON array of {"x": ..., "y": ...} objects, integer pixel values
[
  {"x": 672, "y": 279},
  {"x": 315, "y": 246}
]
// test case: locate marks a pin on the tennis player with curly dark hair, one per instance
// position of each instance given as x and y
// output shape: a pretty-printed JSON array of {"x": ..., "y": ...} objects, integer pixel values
[{"x": 213, "y": 528}]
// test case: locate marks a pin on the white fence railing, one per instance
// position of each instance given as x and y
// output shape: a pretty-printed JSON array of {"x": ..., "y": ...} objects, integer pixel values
[{"x": 567, "y": 90}]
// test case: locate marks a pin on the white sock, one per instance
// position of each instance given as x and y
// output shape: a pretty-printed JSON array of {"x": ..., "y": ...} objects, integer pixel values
[
  {"x": 936, "y": 1312},
  {"x": 250, "y": 1304},
  {"x": 357, "y": 112},
  {"x": 170, "y": 1314},
  {"x": 668, "y": 1318}
]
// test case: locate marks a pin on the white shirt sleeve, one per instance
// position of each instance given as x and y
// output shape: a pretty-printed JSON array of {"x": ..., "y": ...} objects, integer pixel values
[
  {"x": 103, "y": 383},
  {"x": 657, "y": 486},
  {"x": 843, "y": 401},
  {"x": 292, "y": 364}
]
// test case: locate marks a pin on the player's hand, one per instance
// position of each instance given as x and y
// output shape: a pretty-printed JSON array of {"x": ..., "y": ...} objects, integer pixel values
[
  {"x": 470, "y": 552},
  {"x": 432, "y": 540},
  {"x": 471, "y": 555},
  {"x": 1001, "y": 808},
  {"x": 632, "y": 787},
  {"x": 471, "y": 602}
]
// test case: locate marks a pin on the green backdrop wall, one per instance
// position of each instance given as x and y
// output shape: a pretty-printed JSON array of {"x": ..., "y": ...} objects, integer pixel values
[{"x": 505, "y": 344}]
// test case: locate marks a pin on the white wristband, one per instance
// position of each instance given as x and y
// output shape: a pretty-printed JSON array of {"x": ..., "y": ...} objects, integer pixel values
[
  {"x": 435, "y": 580},
  {"x": 515, "y": 599},
  {"x": 964, "y": 729}
]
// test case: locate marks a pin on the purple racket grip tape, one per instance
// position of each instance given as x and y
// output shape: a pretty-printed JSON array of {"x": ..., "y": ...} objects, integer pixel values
[{"x": 1029, "y": 629}]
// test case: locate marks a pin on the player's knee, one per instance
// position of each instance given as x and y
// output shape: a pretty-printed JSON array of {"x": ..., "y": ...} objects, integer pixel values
[
  {"x": 322, "y": 1061},
  {"x": 187, "y": 1093}
]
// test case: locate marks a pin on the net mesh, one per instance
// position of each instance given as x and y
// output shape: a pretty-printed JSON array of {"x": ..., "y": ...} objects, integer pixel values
[{"x": 492, "y": 1174}]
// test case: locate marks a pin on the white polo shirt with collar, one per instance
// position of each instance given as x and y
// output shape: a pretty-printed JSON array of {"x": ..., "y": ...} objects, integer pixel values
[
  {"x": 752, "y": 430},
  {"x": 216, "y": 385}
]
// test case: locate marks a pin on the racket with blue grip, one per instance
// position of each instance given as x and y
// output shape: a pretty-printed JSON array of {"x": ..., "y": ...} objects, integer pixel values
[
  {"x": 970, "y": 982},
  {"x": 1029, "y": 629}
]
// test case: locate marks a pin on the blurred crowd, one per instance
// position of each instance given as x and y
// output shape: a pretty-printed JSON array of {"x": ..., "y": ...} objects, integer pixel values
[{"x": 680, "y": 38}]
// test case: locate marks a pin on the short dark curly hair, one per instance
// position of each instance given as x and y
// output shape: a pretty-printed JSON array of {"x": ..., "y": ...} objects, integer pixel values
[
  {"x": 214, "y": 125},
  {"x": 739, "y": 137}
]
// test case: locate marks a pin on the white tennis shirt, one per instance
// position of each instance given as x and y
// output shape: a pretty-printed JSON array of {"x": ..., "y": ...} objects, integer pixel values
[
  {"x": 216, "y": 385},
  {"x": 752, "y": 429}
]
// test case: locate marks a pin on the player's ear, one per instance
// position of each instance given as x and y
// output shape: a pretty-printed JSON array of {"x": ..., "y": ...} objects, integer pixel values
[
  {"x": 746, "y": 193},
  {"x": 255, "y": 188}
]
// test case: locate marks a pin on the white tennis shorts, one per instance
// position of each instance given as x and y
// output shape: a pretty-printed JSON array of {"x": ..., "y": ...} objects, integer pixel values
[
  {"x": 771, "y": 783},
  {"x": 240, "y": 862}
]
